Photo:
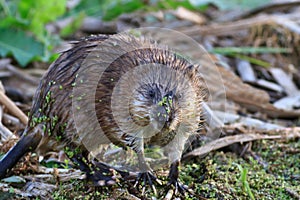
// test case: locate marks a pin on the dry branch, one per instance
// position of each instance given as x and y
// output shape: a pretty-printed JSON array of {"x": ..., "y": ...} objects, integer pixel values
[
  {"x": 231, "y": 28},
  {"x": 5, "y": 63},
  {"x": 12, "y": 108},
  {"x": 286, "y": 133},
  {"x": 4, "y": 132}
]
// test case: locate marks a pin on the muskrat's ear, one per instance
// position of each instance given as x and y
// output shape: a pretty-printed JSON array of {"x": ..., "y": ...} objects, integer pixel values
[{"x": 190, "y": 67}]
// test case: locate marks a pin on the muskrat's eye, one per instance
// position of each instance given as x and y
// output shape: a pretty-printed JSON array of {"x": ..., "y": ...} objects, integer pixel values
[
  {"x": 170, "y": 95},
  {"x": 151, "y": 93}
]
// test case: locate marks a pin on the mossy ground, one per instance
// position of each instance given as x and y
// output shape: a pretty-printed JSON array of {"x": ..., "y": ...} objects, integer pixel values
[
  {"x": 270, "y": 178},
  {"x": 219, "y": 175}
]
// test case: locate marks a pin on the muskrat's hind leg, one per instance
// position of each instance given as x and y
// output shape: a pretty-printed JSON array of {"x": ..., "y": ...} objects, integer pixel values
[{"x": 99, "y": 175}]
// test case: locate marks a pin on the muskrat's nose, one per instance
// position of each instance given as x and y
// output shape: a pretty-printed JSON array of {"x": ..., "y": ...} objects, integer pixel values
[
  {"x": 162, "y": 115},
  {"x": 159, "y": 115}
]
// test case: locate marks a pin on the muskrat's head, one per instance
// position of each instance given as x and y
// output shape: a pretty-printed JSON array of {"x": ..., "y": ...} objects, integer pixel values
[
  {"x": 155, "y": 105},
  {"x": 160, "y": 100},
  {"x": 147, "y": 91}
]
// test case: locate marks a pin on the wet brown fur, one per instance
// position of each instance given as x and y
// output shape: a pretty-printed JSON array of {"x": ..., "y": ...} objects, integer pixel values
[{"x": 51, "y": 125}]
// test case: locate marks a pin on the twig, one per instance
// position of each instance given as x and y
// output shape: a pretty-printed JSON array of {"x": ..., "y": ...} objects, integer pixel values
[
  {"x": 6, "y": 188},
  {"x": 287, "y": 133},
  {"x": 293, "y": 193},
  {"x": 227, "y": 28},
  {"x": 267, "y": 7},
  {"x": 46, "y": 175},
  {"x": 95, "y": 25},
  {"x": 5, "y": 63},
  {"x": 22, "y": 75},
  {"x": 9, "y": 119},
  {"x": 13, "y": 109},
  {"x": 231, "y": 28},
  {"x": 4, "y": 132},
  {"x": 40, "y": 189}
]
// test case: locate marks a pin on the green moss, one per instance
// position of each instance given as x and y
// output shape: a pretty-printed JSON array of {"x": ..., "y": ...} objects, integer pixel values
[
  {"x": 78, "y": 189},
  {"x": 49, "y": 132},
  {"x": 216, "y": 176},
  {"x": 48, "y": 97},
  {"x": 69, "y": 152},
  {"x": 38, "y": 120},
  {"x": 58, "y": 138},
  {"x": 223, "y": 178},
  {"x": 54, "y": 121}
]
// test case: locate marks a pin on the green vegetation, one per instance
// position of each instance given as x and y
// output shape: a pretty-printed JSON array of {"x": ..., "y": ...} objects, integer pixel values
[
  {"x": 78, "y": 189},
  {"x": 219, "y": 175},
  {"x": 242, "y": 52},
  {"x": 244, "y": 181},
  {"x": 230, "y": 177},
  {"x": 22, "y": 28}
]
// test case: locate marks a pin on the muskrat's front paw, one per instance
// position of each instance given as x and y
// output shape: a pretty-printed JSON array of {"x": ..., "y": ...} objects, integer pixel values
[{"x": 100, "y": 179}]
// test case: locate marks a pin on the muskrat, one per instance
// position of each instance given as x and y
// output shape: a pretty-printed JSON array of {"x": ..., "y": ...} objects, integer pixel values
[{"x": 162, "y": 100}]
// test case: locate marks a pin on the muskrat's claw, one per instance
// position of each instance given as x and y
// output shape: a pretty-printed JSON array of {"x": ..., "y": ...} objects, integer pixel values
[
  {"x": 174, "y": 186},
  {"x": 179, "y": 187},
  {"x": 182, "y": 189},
  {"x": 147, "y": 177},
  {"x": 173, "y": 181},
  {"x": 100, "y": 179},
  {"x": 98, "y": 173}
]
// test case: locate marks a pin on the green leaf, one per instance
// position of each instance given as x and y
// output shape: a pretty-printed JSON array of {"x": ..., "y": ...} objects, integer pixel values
[
  {"x": 41, "y": 12},
  {"x": 251, "y": 60},
  {"x": 173, "y": 4},
  {"x": 23, "y": 47},
  {"x": 29, "y": 16},
  {"x": 239, "y": 52},
  {"x": 115, "y": 8},
  {"x": 73, "y": 26},
  {"x": 13, "y": 21},
  {"x": 89, "y": 7},
  {"x": 8, "y": 8},
  {"x": 248, "y": 50}
]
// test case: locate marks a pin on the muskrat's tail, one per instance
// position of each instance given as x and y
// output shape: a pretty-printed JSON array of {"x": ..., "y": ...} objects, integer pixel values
[{"x": 28, "y": 142}]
